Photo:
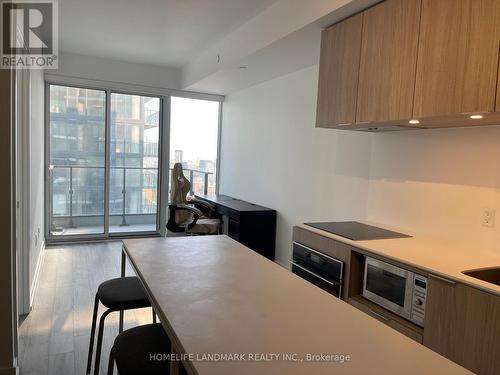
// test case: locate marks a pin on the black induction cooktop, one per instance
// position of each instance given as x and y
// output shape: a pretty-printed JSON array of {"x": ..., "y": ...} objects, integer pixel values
[{"x": 357, "y": 231}]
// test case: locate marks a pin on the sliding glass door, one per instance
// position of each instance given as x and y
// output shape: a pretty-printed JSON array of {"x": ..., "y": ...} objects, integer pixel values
[
  {"x": 77, "y": 161},
  {"x": 93, "y": 192},
  {"x": 134, "y": 163}
]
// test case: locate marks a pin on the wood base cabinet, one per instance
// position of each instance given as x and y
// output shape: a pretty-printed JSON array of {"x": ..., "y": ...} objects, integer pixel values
[{"x": 463, "y": 324}]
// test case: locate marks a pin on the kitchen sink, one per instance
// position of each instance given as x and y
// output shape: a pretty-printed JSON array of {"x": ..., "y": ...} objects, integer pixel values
[{"x": 490, "y": 275}]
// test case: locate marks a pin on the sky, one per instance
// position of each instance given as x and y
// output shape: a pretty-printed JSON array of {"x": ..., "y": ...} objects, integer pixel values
[{"x": 193, "y": 128}]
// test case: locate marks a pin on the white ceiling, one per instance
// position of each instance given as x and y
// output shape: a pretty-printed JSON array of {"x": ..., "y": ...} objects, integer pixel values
[
  {"x": 157, "y": 32},
  {"x": 282, "y": 39}
]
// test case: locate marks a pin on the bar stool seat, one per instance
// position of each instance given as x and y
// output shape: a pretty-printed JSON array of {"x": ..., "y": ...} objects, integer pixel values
[
  {"x": 123, "y": 293},
  {"x": 141, "y": 350},
  {"x": 120, "y": 294}
]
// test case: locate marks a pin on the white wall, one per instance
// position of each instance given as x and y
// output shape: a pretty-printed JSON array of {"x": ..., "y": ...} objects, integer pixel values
[
  {"x": 437, "y": 183},
  {"x": 433, "y": 183},
  {"x": 37, "y": 216},
  {"x": 96, "y": 68},
  {"x": 271, "y": 154}
]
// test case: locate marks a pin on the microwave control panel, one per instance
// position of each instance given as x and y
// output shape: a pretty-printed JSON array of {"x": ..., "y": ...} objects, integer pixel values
[{"x": 419, "y": 298}]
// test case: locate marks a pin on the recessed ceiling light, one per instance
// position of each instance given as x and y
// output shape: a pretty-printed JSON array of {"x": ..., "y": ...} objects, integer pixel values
[
  {"x": 476, "y": 117},
  {"x": 414, "y": 122}
]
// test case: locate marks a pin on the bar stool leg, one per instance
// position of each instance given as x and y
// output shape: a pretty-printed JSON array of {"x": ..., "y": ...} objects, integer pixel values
[
  {"x": 154, "y": 315},
  {"x": 111, "y": 363},
  {"x": 92, "y": 335},
  {"x": 99, "y": 341},
  {"x": 123, "y": 264},
  {"x": 122, "y": 274},
  {"x": 120, "y": 322}
]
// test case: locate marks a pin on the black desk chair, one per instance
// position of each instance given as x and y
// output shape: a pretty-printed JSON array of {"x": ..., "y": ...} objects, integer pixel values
[
  {"x": 133, "y": 348},
  {"x": 195, "y": 224},
  {"x": 120, "y": 294},
  {"x": 187, "y": 214}
]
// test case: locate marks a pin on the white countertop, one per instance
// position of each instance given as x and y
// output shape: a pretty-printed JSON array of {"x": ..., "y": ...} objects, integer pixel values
[
  {"x": 214, "y": 295},
  {"x": 430, "y": 255}
]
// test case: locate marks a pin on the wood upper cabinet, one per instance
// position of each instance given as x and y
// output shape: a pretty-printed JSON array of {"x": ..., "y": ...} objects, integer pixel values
[
  {"x": 497, "y": 104},
  {"x": 457, "y": 57},
  {"x": 431, "y": 60},
  {"x": 338, "y": 73},
  {"x": 463, "y": 324},
  {"x": 388, "y": 61}
]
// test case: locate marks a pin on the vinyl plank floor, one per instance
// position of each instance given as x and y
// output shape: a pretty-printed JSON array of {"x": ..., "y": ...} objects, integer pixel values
[{"x": 55, "y": 335}]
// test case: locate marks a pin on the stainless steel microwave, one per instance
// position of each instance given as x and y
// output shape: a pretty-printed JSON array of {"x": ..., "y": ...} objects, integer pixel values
[{"x": 401, "y": 291}]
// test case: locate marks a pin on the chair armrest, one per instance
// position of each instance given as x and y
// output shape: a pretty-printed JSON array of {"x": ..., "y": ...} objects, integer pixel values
[
  {"x": 207, "y": 208},
  {"x": 186, "y": 207},
  {"x": 201, "y": 202},
  {"x": 173, "y": 226}
]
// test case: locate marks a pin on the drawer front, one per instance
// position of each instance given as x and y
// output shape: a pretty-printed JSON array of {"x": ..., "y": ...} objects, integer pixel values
[
  {"x": 386, "y": 319},
  {"x": 233, "y": 228}
]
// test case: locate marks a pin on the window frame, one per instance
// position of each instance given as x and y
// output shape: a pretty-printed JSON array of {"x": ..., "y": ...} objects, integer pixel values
[{"x": 163, "y": 153}]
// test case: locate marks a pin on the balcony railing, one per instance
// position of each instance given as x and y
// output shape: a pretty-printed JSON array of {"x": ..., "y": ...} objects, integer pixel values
[
  {"x": 83, "y": 193},
  {"x": 191, "y": 173},
  {"x": 151, "y": 117}
]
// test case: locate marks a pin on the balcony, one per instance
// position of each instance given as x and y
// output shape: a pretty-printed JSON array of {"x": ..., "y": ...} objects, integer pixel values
[{"x": 78, "y": 196}]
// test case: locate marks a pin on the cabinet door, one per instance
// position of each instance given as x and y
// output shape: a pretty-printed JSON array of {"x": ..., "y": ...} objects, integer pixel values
[
  {"x": 388, "y": 61},
  {"x": 457, "y": 57},
  {"x": 338, "y": 73},
  {"x": 463, "y": 324},
  {"x": 445, "y": 317}
]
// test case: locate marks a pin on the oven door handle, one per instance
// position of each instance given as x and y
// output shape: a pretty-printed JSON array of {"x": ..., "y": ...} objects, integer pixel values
[{"x": 333, "y": 283}]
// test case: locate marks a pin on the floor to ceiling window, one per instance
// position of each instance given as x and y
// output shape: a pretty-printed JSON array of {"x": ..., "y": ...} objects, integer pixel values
[
  {"x": 104, "y": 159},
  {"x": 194, "y": 125}
]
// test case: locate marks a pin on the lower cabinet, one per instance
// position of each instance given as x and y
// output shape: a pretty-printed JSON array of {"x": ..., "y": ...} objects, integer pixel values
[
  {"x": 399, "y": 324},
  {"x": 463, "y": 324}
]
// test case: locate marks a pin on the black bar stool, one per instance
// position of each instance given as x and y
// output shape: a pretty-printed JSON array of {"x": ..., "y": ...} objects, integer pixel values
[
  {"x": 120, "y": 294},
  {"x": 141, "y": 350}
]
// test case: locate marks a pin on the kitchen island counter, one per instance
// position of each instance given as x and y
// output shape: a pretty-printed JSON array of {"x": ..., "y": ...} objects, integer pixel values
[{"x": 216, "y": 297}]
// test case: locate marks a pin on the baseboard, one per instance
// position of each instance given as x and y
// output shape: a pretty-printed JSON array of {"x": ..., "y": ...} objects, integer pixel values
[{"x": 38, "y": 267}]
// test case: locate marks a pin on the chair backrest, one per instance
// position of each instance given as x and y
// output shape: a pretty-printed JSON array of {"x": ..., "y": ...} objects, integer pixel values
[
  {"x": 179, "y": 185},
  {"x": 179, "y": 189}
]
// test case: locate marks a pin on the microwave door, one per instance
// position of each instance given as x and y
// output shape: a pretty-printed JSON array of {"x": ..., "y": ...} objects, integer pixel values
[{"x": 388, "y": 286}]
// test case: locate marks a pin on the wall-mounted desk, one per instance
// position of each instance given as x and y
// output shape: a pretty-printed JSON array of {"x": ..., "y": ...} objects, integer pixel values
[{"x": 250, "y": 224}]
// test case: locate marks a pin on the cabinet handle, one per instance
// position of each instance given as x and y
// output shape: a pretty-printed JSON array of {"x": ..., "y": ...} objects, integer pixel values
[
  {"x": 377, "y": 315},
  {"x": 333, "y": 283},
  {"x": 345, "y": 124},
  {"x": 363, "y": 122},
  {"x": 442, "y": 279}
]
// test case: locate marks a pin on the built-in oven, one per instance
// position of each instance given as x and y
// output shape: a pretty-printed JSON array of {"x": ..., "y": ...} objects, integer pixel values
[
  {"x": 398, "y": 290},
  {"x": 318, "y": 268}
]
